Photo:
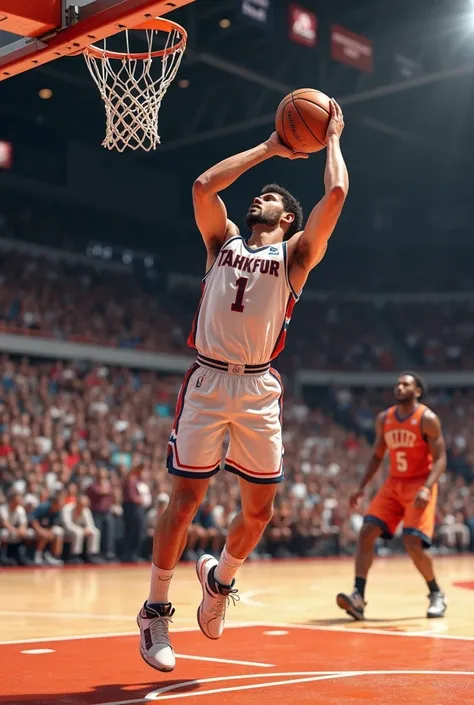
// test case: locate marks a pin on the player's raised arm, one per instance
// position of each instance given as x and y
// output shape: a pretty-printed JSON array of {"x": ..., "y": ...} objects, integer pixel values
[
  {"x": 378, "y": 452},
  {"x": 310, "y": 247},
  {"x": 209, "y": 209},
  {"x": 431, "y": 427}
]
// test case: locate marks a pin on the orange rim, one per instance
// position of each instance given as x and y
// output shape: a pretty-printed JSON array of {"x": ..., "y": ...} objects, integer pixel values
[{"x": 156, "y": 23}]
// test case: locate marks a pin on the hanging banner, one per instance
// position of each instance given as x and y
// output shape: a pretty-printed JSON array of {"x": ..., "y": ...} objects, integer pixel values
[
  {"x": 259, "y": 12},
  {"x": 303, "y": 25},
  {"x": 351, "y": 49}
]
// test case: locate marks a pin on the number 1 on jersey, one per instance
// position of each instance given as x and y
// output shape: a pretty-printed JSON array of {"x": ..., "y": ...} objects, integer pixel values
[{"x": 241, "y": 286}]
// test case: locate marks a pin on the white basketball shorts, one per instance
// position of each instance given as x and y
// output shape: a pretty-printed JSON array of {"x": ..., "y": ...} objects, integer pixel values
[{"x": 249, "y": 406}]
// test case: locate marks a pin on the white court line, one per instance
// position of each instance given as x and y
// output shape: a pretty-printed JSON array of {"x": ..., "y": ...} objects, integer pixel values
[
  {"x": 313, "y": 676},
  {"x": 226, "y": 660},
  {"x": 351, "y": 630},
  {"x": 38, "y": 652},
  {"x": 76, "y": 615},
  {"x": 243, "y": 625},
  {"x": 111, "y": 635},
  {"x": 67, "y": 615},
  {"x": 77, "y": 637},
  {"x": 188, "y": 657}
]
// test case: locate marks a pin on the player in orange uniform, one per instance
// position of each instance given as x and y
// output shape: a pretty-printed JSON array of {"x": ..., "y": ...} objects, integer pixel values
[{"x": 412, "y": 434}]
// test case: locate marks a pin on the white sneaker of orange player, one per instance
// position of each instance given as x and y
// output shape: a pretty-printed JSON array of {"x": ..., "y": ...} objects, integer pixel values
[
  {"x": 438, "y": 605},
  {"x": 215, "y": 598},
  {"x": 155, "y": 645},
  {"x": 353, "y": 604}
]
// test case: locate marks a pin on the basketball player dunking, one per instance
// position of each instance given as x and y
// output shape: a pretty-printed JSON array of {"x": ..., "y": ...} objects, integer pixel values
[
  {"x": 249, "y": 291},
  {"x": 412, "y": 434}
]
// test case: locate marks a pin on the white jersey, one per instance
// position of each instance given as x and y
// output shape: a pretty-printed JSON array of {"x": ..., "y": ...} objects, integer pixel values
[{"x": 246, "y": 304}]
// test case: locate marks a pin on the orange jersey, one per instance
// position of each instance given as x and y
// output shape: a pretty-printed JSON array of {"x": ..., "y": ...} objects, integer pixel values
[{"x": 409, "y": 451}]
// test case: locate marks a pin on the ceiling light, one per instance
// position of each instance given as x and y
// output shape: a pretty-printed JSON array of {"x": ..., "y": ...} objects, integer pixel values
[
  {"x": 45, "y": 93},
  {"x": 183, "y": 83},
  {"x": 224, "y": 23}
]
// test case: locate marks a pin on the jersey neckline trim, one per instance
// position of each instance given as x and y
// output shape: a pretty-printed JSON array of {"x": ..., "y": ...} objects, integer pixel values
[
  {"x": 257, "y": 249},
  {"x": 402, "y": 419}
]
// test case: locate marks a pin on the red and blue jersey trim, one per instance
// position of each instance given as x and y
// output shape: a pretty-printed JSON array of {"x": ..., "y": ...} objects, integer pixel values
[
  {"x": 281, "y": 340},
  {"x": 182, "y": 395}
]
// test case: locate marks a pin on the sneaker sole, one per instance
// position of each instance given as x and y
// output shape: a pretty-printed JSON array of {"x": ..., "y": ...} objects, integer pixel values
[
  {"x": 436, "y": 616},
  {"x": 344, "y": 603},
  {"x": 212, "y": 638},
  {"x": 153, "y": 664}
]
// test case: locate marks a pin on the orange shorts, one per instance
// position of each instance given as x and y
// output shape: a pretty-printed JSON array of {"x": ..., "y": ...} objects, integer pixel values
[{"x": 395, "y": 502}]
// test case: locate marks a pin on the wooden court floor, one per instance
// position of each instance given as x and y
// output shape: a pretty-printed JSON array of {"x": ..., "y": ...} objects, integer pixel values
[{"x": 69, "y": 636}]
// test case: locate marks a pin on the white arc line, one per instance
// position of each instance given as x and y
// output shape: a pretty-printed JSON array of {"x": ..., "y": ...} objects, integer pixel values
[
  {"x": 308, "y": 677},
  {"x": 246, "y": 598}
]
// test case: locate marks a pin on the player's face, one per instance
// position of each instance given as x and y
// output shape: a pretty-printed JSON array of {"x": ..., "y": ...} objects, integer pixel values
[
  {"x": 406, "y": 389},
  {"x": 265, "y": 210}
]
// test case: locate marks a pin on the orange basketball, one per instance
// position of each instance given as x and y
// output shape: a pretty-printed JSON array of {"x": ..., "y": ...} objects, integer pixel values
[{"x": 302, "y": 120}]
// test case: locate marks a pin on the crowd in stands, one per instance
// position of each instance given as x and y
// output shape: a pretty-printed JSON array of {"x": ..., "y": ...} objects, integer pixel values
[
  {"x": 41, "y": 296},
  {"x": 58, "y": 294},
  {"x": 439, "y": 334},
  {"x": 343, "y": 335},
  {"x": 82, "y": 468},
  {"x": 83, "y": 447}
]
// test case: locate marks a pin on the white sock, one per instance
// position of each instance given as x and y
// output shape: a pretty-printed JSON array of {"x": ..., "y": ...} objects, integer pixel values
[
  {"x": 159, "y": 584},
  {"x": 227, "y": 567}
]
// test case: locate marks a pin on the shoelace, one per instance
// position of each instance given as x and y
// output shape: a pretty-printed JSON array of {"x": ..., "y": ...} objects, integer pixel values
[
  {"x": 435, "y": 597},
  {"x": 223, "y": 601},
  {"x": 159, "y": 630},
  {"x": 357, "y": 600}
]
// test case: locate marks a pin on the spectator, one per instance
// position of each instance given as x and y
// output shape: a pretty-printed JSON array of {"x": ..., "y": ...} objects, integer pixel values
[
  {"x": 14, "y": 528},
  {"x": 161, "y": 503},
  {"x": 101, "y": 498},
  {"x": 278, "y": 535},
  {"x": 133, "y": 515},
  {"x": 80, "y": 529},
  {"x": 454, "y": 533},
  {"x": 44, "y": 521},
  {"x": 211, "y": 539}
]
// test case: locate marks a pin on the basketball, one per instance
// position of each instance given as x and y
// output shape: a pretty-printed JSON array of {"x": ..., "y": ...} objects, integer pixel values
[{"x": 302, "y": 120}]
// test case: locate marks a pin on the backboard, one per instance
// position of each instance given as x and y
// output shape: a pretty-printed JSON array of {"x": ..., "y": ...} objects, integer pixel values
[{"x": 35, "y": 32}]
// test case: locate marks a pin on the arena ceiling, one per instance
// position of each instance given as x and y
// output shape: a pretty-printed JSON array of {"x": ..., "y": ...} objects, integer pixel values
[
  {"x": 409, "y": 122},
  {"x": 238, "y": 75}
]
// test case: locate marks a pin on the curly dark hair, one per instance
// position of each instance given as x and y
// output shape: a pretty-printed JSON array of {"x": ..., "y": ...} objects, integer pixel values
[
  {"x": 419, "y": 381},
  {"x": 290, "y": 204}
]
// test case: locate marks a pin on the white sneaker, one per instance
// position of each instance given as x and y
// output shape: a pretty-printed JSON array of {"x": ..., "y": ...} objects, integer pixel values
[
  {"x": 438, "y": 605},
  {"x": 215, "y": 598},
  {"x": 155, "y": 646},
  {"x": 353, "y": 604},
  {"x": 51, "y": 560},
  {"x": 38, "y": 559}
]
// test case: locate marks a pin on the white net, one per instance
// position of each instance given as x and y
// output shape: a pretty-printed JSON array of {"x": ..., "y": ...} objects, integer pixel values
[{"x": 132, "y": 89}]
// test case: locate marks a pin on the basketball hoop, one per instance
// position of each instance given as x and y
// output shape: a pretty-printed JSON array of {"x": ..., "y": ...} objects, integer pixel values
[{"x": 132, "y": 87}]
